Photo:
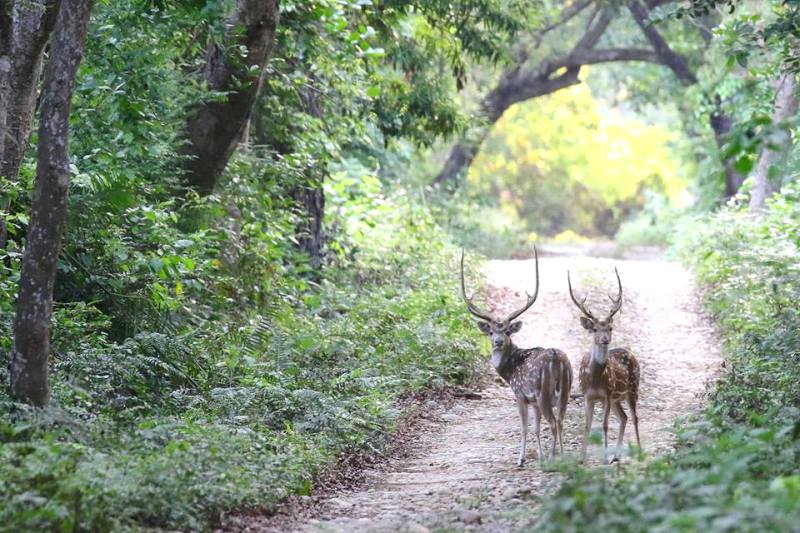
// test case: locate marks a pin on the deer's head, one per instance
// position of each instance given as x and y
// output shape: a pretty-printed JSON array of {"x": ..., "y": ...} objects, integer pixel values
[
  {"x": 499, "y": 331},
  {"x": 600, "y": 328}
]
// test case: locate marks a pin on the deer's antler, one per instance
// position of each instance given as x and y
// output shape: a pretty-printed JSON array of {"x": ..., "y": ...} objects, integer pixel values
[
  {"x": 581, "y": 305},
  {"x": 473, "y": 309},
  {"x": 616, "y": 302},
  {"x": 531, "y": 299}
]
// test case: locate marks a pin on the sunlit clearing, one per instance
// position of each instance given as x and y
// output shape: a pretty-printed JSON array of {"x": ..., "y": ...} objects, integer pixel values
[{"x": 569, "y": 161}]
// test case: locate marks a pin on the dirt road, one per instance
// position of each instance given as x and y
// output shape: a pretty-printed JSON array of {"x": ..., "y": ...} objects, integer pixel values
[{"x": 461, "y": 473}]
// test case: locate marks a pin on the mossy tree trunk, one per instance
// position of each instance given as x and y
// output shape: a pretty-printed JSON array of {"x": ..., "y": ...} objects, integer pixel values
[
  {"x": 215, "y": 127},
  {"x": 31, "y": 349},
  {"x": 31, "y": 24}
]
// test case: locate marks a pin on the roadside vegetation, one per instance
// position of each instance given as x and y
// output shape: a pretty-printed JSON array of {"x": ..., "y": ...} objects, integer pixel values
[{"x": 735, "y": 468}]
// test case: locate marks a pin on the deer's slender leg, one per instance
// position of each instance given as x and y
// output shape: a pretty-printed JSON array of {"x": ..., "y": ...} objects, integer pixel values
[
  {"x": 632, "y": 405},
  {"x": 553, "y": 423},
  {"x": 606, "y": 412},
  {"x": 562, "y": 411},
  {"x": 589, "y": 406},
  {"x": 537, "y": 426},
  {"x": 523, "y": 416},
  {"x": 623, "y": 419}
]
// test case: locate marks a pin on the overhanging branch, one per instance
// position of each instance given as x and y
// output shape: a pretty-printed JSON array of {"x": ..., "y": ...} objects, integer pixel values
[{"x": 675, "y": 62}]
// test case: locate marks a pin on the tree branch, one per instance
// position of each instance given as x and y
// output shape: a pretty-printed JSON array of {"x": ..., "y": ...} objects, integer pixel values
[
  {"x": 675, "y": 62},
  {"x": 579, "y": 58},
  {"x": 596, "y": 31},
  {"x": 567, "y": 14},
  {"x": 518, "y": 84}
]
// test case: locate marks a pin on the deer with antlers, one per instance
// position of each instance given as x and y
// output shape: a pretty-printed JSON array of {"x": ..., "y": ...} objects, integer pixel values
[
  {"x": 608, "y": 376},
  {"x": 539, "y": 377}
]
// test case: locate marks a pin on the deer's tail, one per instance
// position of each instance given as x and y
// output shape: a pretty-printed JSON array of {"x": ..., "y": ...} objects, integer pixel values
[
  {"x": 550, "y": 393},
  {"x": 555, "y": 385},
  {"x": 564, "y": 386}
]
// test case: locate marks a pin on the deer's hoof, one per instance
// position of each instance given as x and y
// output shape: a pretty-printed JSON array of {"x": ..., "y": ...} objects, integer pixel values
[{"x": 610, "y": 459}]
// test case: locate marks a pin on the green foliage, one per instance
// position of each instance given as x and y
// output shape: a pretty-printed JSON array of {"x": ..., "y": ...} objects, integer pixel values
[
  {"x": 197, "y": 365},
  {"x": 200, "y": 366},
  {"x": 394, "y": 63},
  {"x": 731, "y": 478},
  {"x": 568, "y": 162},
  {"x": 478, "y": 223},
  {"x": 751, "y": 266},
  {"x": 776, "y": 33},
  {"x": 736, "y": 467},
  {"x": 230, "y": 405},
  {"x": 658, "y": 223}
]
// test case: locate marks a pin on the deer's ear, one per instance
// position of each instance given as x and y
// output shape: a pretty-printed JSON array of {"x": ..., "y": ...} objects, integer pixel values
[
  {"x": 485, "y": 327},
  {"x": 587, "y": 323},
  {"x": 515, "y": 327}
]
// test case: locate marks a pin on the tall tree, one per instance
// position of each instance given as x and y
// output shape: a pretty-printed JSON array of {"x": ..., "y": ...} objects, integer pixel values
[
  {"x": 310, "y": 196},
  {"x": 30, "y": 29},
  {"x": 718, "y": 120},
  {"x": 234, "y": 67},
  {"x": 30, "y": 352},
  {"x": 785, "y": 107},
  {"x": 6, "y": 10},
  {"x": 521, "y": 82}
]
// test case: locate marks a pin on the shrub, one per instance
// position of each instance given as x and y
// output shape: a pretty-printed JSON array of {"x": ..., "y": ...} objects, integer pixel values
[
  {"x": 736, "y": 468},
  {"x": 200, "y": 378}
]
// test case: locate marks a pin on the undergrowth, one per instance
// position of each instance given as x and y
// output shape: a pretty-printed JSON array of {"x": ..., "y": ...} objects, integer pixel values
[
  {"x": 736, "y": 465},
  {"x": 196, "y": 372}
]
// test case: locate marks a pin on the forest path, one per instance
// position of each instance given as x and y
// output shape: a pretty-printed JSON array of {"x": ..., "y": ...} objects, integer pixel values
[{"x": 461, "y": 473}]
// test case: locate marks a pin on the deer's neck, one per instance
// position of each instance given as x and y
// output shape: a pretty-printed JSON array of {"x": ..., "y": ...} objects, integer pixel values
[
  {"x": 599, "y": 357},
  {"x": 505, "y": 360}
]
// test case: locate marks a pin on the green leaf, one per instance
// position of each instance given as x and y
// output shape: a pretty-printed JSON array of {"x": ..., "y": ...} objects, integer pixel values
[{"x": 744, "y": 164}]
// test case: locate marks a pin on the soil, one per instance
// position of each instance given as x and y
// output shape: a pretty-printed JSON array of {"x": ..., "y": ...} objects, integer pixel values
[{"x": 458, "y": 469}]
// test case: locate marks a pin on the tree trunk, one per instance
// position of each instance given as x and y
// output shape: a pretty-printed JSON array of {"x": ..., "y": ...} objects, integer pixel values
[
  {"x": 30, "y": 353},
  {"x": 519, "y": 84},
  {"x": 719, "y": 121},
  {"x": 721, "y": 124},
  {"x": 460, "y": 159},
  {"x": 784, "y": 108},
  {"x": 215, "y": 127},
  {"x": 5, "y": 78},
  {"x": 311, "y": 202},
  {"x": 310, "y": 196},
  {"x": 32, "y": 24}
]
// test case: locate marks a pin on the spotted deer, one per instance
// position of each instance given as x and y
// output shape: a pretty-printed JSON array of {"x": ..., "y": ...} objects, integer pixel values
[
  {"x": 539, "y": 377},
  {"x": 608, "y": 376}
]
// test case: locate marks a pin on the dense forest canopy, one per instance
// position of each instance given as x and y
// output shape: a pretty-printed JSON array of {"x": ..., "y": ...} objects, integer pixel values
[{"x": 228, "y": 229}]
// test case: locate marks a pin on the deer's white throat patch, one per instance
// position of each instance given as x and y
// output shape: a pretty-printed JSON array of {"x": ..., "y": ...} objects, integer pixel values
[
  {"x": 497, "y": 359},
  {"x": 599, "y": 353}
]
